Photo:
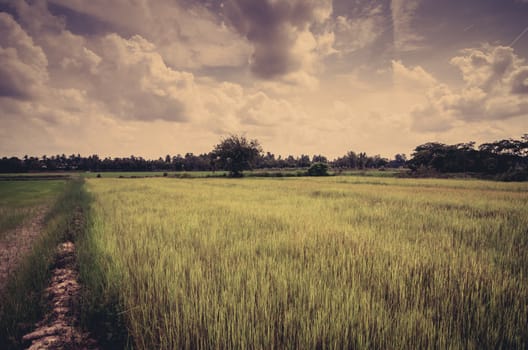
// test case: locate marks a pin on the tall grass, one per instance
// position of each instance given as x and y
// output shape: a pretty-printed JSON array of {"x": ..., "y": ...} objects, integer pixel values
[
  {"x": 20, "y": 304},
  {"x": 311, "y": 263}
]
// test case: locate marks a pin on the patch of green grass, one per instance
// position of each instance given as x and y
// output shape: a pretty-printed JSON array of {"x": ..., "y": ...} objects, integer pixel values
[
  {"x": 20, "y": 303},
  {"x": 136, "y": 174},
  {"x": 37, "y": 175},
  {"x": 20, "y": 199},
  {"x": 27, "y": 193},
  {"x": 370, "y": 172},
  {"x": 336, "y": 262}
]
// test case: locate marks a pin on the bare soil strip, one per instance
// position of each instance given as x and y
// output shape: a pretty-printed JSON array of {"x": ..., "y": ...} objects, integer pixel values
[
  {"x": 59, "y": 329},
  {"x": 17, "y": 244}
]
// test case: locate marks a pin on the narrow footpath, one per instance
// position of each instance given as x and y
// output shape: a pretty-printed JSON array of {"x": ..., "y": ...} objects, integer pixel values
[{"x": 59, "y": 329}]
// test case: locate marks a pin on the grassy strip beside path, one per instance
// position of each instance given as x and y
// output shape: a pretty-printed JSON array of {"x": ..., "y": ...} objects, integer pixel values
[{"x": 21, "y": 304}]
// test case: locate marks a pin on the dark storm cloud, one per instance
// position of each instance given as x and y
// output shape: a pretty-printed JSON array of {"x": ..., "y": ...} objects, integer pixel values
[
  {"x": 80, "y": 23},
  {"x": 8, "y": 8},
  {"x": 271, "y": 26}
]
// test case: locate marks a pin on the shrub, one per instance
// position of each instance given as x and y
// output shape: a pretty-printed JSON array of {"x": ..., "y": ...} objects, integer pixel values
[
  {"x": 513, "y": 175},
  {"x": 318, "y": 169}
]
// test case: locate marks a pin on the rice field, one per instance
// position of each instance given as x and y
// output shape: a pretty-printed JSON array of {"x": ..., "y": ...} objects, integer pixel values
[{"x": 301, "y": 263}]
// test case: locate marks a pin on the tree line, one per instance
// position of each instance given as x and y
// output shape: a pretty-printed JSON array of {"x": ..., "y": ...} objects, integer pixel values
[
  {"x": 187, "y": 162},
  {"x": 507, "y": 157}
]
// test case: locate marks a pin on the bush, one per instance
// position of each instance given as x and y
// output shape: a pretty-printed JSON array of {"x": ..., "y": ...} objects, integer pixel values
[
  {"x": 318, "y": 169},
  {"x": 513, "y": 175}
]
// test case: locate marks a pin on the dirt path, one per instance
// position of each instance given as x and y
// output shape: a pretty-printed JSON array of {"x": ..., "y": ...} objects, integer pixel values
[
  {"x": 17, "y": 243},
  {"x": 59, "y": 329}
]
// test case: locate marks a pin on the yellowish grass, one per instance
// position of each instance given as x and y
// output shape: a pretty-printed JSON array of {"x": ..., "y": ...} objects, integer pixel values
[{"x": 313, "y": 262}]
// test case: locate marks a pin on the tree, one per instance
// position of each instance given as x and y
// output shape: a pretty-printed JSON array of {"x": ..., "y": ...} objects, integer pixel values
[
  {"x": 304, "y": 161},
  {"x": 319, "y": 159},
  {"x": 362, "y": 160},
  {"x": 236, "y": 154},
  {"x": 399, "y": 161}
]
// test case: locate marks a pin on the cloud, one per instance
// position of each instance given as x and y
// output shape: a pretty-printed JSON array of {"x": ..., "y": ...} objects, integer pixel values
[
  {"x": 118, "y": 78},
  {"x": 279, "y": 31},
  {"x": 127, "y": 78},
  {"x": 133, "y": 81},
  {"x": 495, "y": 81},
  {"x": 357, "y": 32},
  {"x": 261, "y": 110},
  {"x": 24, "y": 65},
  {"x": 35, "y": 18},
  {"x": 411, "y": 78},
  {"x": 492, "y": 69},
  {"x": 278, "y": 39},
  {"x": 519, "y": 81},
  {"x": 495, "y": 89},
  {"x": 68, "y": 55},
  {"x": 406, "y": 37},
  {"x": 188, "y": 37},
  {"x": 109, "y": 75}
]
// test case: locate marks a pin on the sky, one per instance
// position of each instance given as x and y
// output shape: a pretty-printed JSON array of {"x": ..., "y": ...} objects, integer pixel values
[{"x": 156, "y": 77}]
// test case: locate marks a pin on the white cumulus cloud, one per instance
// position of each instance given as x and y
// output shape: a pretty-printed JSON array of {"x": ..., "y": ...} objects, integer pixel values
[{"x": 495, "y": 89}]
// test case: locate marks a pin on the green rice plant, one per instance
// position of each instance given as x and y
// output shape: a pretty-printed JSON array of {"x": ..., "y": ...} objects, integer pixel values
[{"x": 337, "y": 262}]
